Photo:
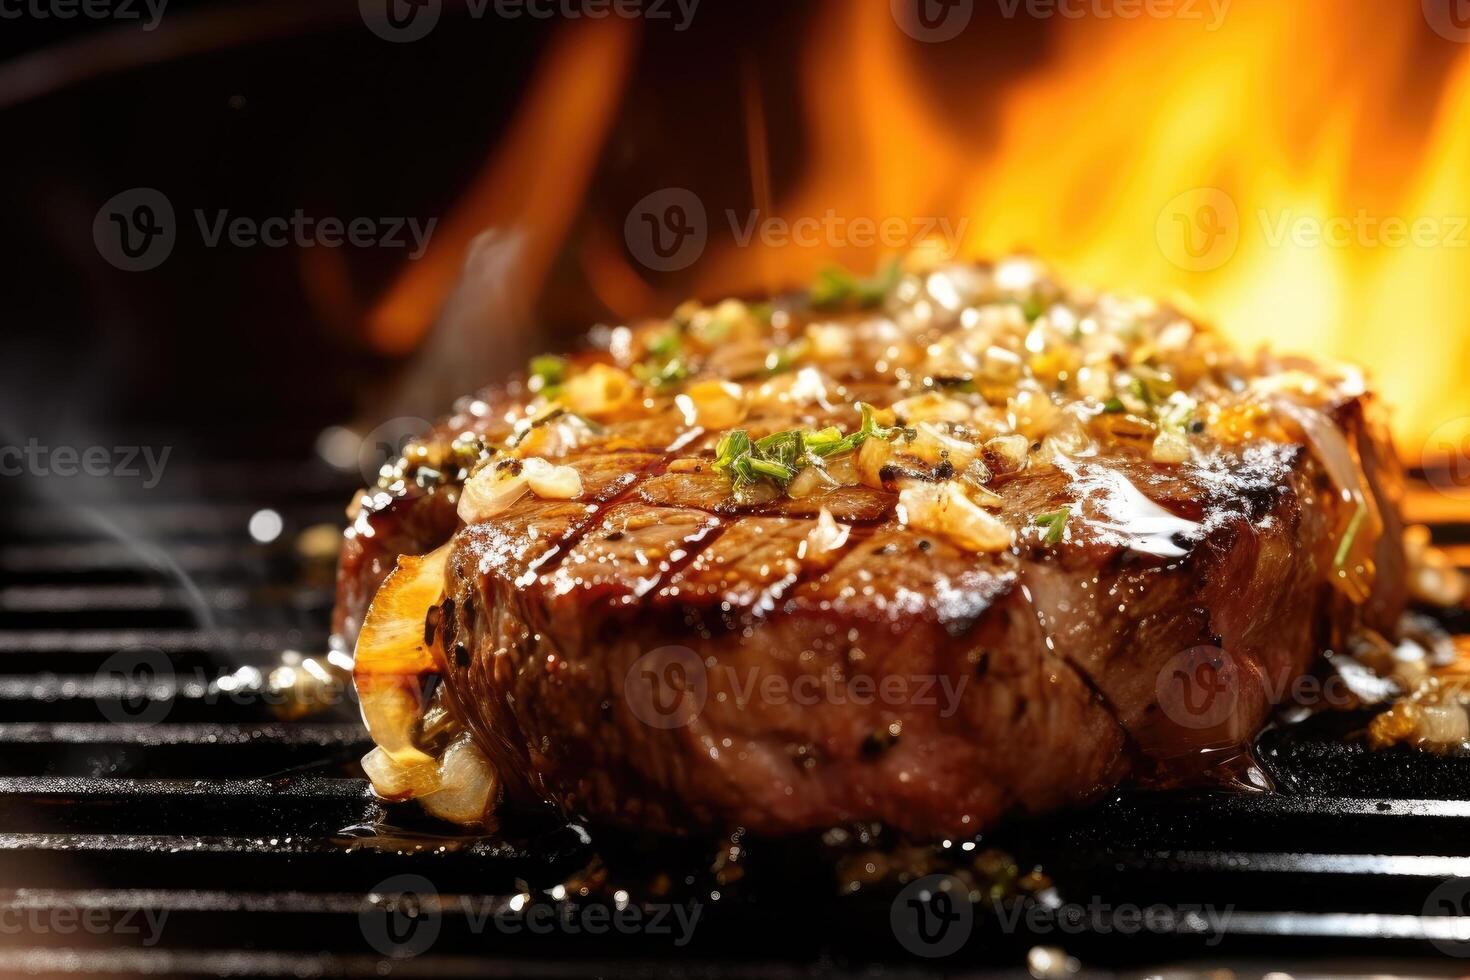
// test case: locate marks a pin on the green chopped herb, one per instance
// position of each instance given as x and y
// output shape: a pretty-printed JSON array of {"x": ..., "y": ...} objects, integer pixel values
[
  {"x": 836, "y": 287},
  {"x": 547, "y": 373},
  {"x": 665, "y": 345},
  {"x": 1031, "y": 308},
  {"x": 1055, "y": 523},
  {"x": 664, "y": 366},
  {"x": 784, "y": 358},
  {"x": 661, "y": 374},
  {"x": 1345, "y": 546},
  {"x": 1113, "y": 406},
  {"x": 778, "y": 457},
  {"x": 960, "y": 383}
]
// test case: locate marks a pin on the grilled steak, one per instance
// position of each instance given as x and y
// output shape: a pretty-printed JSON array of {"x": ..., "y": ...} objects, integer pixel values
[{"x": 983, "y": 548}]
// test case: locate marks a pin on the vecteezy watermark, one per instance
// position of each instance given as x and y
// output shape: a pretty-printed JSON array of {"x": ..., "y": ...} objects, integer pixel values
[
  {"x": 405, "y": 916},
  {"x": 135, "y": 686},
  {"x": 147, "y": 12},
  {"x": 670, "y": 687},
  {"x": 22, "y": 917},
  {"x": 1211, "y": 13},
  {"x": 1201, "y": 229},
  {"x": 1099, "y": 917},
  {"x": 1446, "y": 458},
  {"x": 932, "y": 21},
  {"x": 1450, "y": 19},
  {"x": 137, "y": 230},
  {"x": 403, "y": 21},
  {"x": 667, "y": 687},
  {"x": 1363, "y": 229},
  {"x": 140, "y": 685},
  {"x": 385, "y": 445},
  {"x": 402, "y": 918},
  {"x": 668, "y": 230},
  {"x": 123, "y": 462},
  {"x": 834, "y": 230},
  {"x": 1448, "y": 906},
  {"x": 933, "y": 916},
  {"x": 1202, "y": 687}
]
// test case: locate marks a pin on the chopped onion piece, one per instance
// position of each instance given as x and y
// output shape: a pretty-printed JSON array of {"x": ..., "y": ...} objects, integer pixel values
[
  {"x": 1170, "y": 446},
  {"x": 1443, "y": 725},
  {"x": 807, "y": 482},
  {"x": 931, "y": 406},
  {"x": 872, "y": 456},
  {"x": 944, "y": 508},
  {"x": 712, "y": 404},
  {"x": 552, "y": 482},
  {"x": 492, "y": 490},
  {"x": 934, "y": 445},
  {"x": 399, "y": 779},
  {"x": 467, "y": 785},
  {"x": 830, "y": 341},
  {"x": 827, "y": 536},
  {"x": 599, "y": 390}
]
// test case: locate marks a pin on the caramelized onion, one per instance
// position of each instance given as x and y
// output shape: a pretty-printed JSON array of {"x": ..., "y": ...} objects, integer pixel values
[
  {"x": 467, "y": 784},
  {"x": 392, "y": 653}
]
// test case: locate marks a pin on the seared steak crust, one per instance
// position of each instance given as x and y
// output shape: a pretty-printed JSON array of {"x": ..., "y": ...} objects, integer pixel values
[
  {"x": 656, "y": 654},
  {"x": 1025, "y": 681}
]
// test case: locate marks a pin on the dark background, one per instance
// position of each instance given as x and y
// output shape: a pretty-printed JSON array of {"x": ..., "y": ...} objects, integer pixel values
[{"x": 262, "y": 107}]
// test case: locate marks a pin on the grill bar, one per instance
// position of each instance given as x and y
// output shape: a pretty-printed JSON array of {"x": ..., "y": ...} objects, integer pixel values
[{"x": 261, "y": 840}]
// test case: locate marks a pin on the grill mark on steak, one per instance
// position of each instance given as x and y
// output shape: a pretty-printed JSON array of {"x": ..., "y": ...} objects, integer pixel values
[{"x": 626, "y": 488}]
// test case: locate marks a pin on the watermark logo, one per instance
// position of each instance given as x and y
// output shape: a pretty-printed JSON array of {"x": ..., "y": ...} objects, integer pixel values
[
  {"x": 400, "y": 21},
  {"x": 32, "y": 916},
  {"x": 135, "y": 686},
  {"x": 148, "y": 12},
  {"x": 1199, "y": 687},
  {"x": 1100, "y": 918},
  {"x": 1199, "y": 230},
  {"x": 833, "y": 230},
  {"x": 122, "y": 462},
  {"x": 667, "y": 688},
  {"x": 402, "y": 918},
  {"x": 667, "y": 230},
  {"x": 1450, "y": 19},
  {"x": 1446, "y": 458},
  {"x": 933, "y": 917},
  {"x": 385, "y": 444},
  {"x": 135, "y": 230},
  {"x": 1211, "y": 12},
  {"x": 932, "y": 21},
  {"x": 1451, "y": 899},
  {"x": 1363, "y": 229}
]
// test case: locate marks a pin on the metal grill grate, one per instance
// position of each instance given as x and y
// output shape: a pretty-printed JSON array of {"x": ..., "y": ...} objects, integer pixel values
[{"x": 244, "y": 835}]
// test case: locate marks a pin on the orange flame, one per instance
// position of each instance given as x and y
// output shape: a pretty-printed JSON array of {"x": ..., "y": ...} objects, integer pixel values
[
  {"x": 1277, "y": 170},
  {"x": 533, "y": 184}
]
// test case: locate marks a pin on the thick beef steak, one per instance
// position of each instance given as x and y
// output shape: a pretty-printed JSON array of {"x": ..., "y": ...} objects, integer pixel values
[{"x": 930, "y": 552}]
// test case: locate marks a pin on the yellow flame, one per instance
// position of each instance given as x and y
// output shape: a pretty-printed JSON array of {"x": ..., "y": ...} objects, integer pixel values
[{"x": 1160, "y": 156}]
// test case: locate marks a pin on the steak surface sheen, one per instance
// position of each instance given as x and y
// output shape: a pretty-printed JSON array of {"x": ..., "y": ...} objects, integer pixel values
[{"x": 659, "y": 654}]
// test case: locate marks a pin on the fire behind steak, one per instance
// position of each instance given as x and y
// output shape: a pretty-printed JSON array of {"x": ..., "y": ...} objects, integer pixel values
[{"x": 673, "y": 650}]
